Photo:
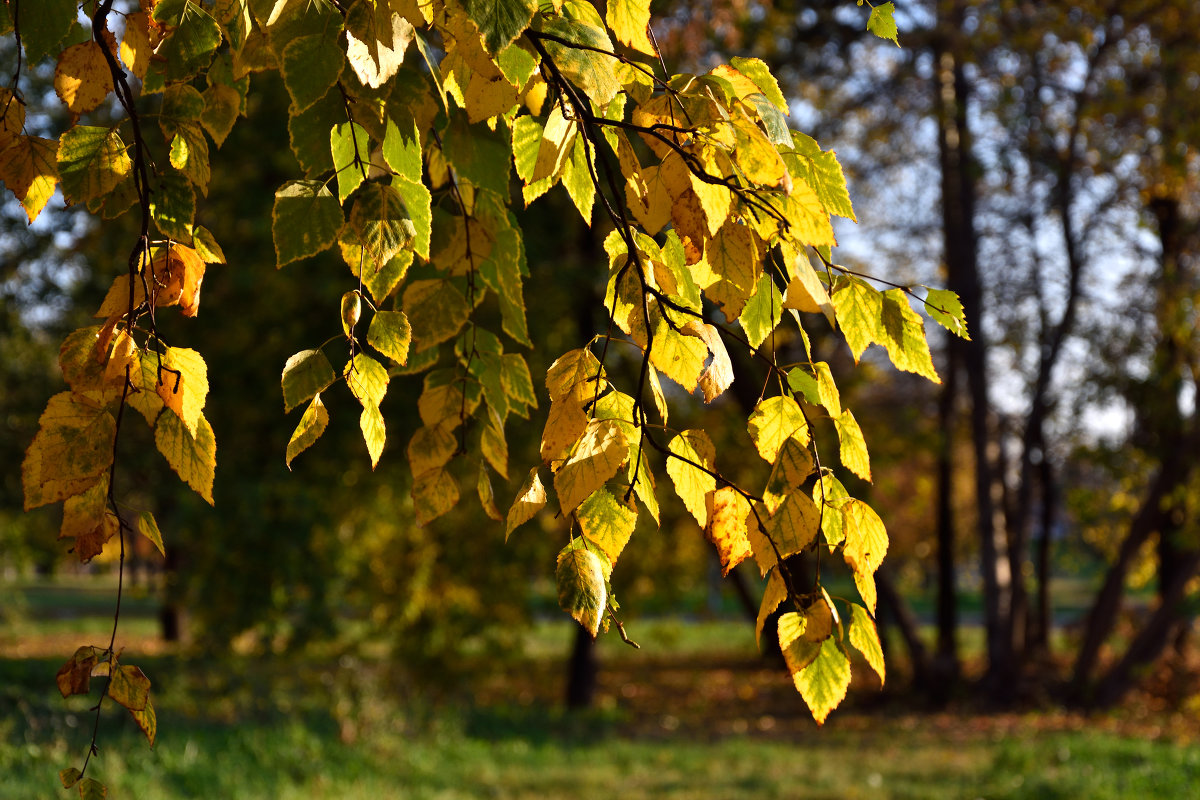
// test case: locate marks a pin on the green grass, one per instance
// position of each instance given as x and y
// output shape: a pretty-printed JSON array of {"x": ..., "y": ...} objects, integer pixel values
[{"x": 552, "y": 758}]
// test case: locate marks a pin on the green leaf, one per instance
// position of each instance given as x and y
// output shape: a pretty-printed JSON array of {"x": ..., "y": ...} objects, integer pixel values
[
  {"x": 44, "y": 24},
  {"x": 305, "y": 221},
  {"x": 173, "y": 205},
  {"x": 304, "y": 376},
  {"x": 821, "y": 171},
  {"x": 762, "y": 312},
  {"x": 189, "y": 155},
  {"x": 222, "y": 104},
  {"x": 308, "y": 132},
  {"x": 823, "y": 682},
  {"x": 482, "y": 157},
  {"x": 606, "y": 522},
  {"x": 587, "y": 69},
  {"x": 760, "y": 74},
  {"x": 367, "y": 379},
  {"x": 865, "y": 639},
  {"x": 148, "y": 527},
  {"x": 944, "y": 308},
  {"x": 374, "y": 434},
  {"x": 402, "y": 149},
  {"x": 577, "y": 180},
  {"x": 581, "y": 591},
  {"x": 312, "y": 424},
  {"x": 311, "y": 66},
  {"x": 418, "y": 205},
  {"x": 190, "y": 46},
  {"x": 436, "y": 311},
  {"x": 350, "y": 148},
  {"x": 382, "y": 223},
  {"x": 882, "y": 24},
  {"x": 194, "y": 458},
  {"x": 206, "y": 246},
  {"x": 91, "y": 162},
  {"x": 500, "y": 21},
  {"x": 390, "y": 334}
]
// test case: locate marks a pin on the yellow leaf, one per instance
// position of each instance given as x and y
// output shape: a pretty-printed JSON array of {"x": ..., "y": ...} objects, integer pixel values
[
  {"x": 774, "y": 421},
  {"x": 727, "y": 510},
  {"x": 555, "y": 146},
  {"x": 600, "y": 453},
  {"x": 135, "y": 44},
  {"x": 690, "y": 471},
  {"x": 82, "y": 78},
  {"x": 628, "y": 20},
  {"x": 681, "y": 358},
  {"x": 866, "y": 537},
  {"x": 805, "y": 292},
  {"x": 730, "y": 269},
  {"x": 487, "y": 499},
  {"x": 773, "y": 595},
  {"x": 866, "y": 589},
  {"x": 565, "y": 423},
  {"x": 194, "y": 458},
  {"x": 434, "y": 493},
  {"x": 493, "y": 444},
  {"x": 823, "y": 682},
  {"x": 73, "y": 447},
  {"x": 854, "y": 447},
  {"x": 790, "y": 529},
  {"x": 864, "y": 637},
  {"x": 581, "y": 590},
  {"x": 147, "y": 526},
  {"x": 370, "y": 421},
  {"x": 576, "y": 373},
  {"x": 29, "y": 168},
  {"x": 606, "y": 522},
  {"x": 431, "y": 447},
  {"x": 436, "y": 311},
  {"x": 718, "y": 375},
  {"x": 12, "y": 118},
  {"x": 182, "y": 383},
  {"x": 758, "y": 159},
  {"x": 530, "y": 500}
]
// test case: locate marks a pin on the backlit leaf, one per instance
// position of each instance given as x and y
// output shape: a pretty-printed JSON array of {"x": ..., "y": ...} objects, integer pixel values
[
  {"x": 382, "y": 222},
  {"x": 82, "y": 78},
  {"x": 691, "y": 469},
  {"x": 91, "y": 162},
  {"x": 487, "y": 499},
  {"x": 718, "y": 375},
  {"x": 823, "y": 682},
  {"x": 376, "y": 38},
  {"x": 530, "y": 499},
  {"x": 434, "y": 493},
  {"x": 881, "y": 22},
  {"x": 853, "y": 445},
  {"x": 148, "y": 527},
  {"x": 29, "y": 168},
  {"x": 194, "y": 458},
  {"x": 727, "y": 511},
  {"x": 865, "y": 639},
  {"x": 312, "y": 424},
  {"x": 600, "y": 453},
  {"x": 436, "y": 311},
  {"x": 629, "y": 19},
  {"x": 607, "y": 522},
  {"x": 372, "y": 426},
  {"x": 129, "y": 686},
  {"x": 367, "y": 379},
  {"x": 774, "y": 595},
  {"x": 73, "y": 446},
  {"x": 44, "y": 24},
  {"x": 304, "y": 375},
  {"x": 305, "y": 221},
  {"x": 866, "y": 537},
  {"x": 350, "y": 148},
  {"x": 311, "y": 65},
  {"x": 774, "y": 421},
  {"x": 390, "y": 334},
  {"x": 945, "y": 309},
  {"x": 500, "y": 21},
  {"x": 581, "y": 591}
]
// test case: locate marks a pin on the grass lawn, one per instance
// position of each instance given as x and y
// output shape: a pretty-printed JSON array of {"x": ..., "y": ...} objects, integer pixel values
[{"x": 693, "y": 714}]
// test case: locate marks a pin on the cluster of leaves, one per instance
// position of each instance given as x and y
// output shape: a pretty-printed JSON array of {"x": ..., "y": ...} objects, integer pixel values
[{"x": 408, "y": 121}]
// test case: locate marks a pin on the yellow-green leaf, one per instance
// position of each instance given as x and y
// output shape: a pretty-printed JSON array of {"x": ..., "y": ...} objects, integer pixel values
[
  {"x": 691, "y": 471},
  {"x": 129, "y": 686},
  {"x": 866, "y": 537},
  {"x": 304, "y": 376},
  {"x": 367, "y": 379},
  {"x": 312, "y": 425},
  {"x": 390, "y": 334},
  {"x": 434, "y": 493},
  {"x": 865, "y": 638},
  {"x": 530, "y": 500},
  {"x": 773, "y": 596},
  {"x": 73, "y": 447},
  {"x": 823, "y": 682},
  {"x": 147, "y": 526},
  {"x": 581, "y": 591},
  {"x": 29, "y": 168},
  {"x": 607, "y": 522},
  {"x": 854, "y": 447},
  {"x": 600, "y": 453},
  {"x": 371, "y": 424},
  {"x": 194, "y": 458},
  {"x": 773, "y": 422}
]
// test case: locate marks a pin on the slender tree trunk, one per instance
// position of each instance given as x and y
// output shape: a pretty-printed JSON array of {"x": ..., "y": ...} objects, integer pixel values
[
  {"x": 945, "y": 665},
  {"x": 910, "y": 631},
  {"x": 582, "y": 670},
  {"x": 959, "y": 193},
  {"x": 1041, "y": 622}
]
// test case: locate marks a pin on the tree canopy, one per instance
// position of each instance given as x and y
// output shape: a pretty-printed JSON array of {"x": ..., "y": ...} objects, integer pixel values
[{"x": 415, "y": 127}]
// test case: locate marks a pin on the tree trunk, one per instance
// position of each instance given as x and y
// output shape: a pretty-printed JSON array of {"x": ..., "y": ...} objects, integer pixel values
[
  {"x": 582, "y": 670},
  {"x": 959, "y": 193},
  {"x": 945, "y": 667},
  {"x": 906, "y": 622}
]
